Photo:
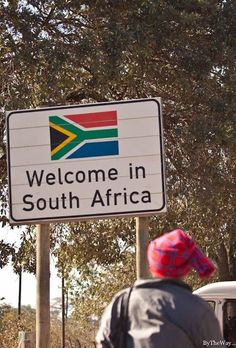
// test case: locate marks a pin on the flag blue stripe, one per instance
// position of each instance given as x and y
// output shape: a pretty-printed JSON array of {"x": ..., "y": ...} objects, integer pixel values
[{"x": 104, "y": 148}]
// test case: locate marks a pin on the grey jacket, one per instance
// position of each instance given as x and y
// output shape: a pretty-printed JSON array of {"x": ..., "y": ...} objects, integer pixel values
[{"x": 162, "y": 314}]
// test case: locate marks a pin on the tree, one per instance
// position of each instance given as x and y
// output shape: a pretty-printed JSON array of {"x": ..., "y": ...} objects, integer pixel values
[
  {"x": 7, "y": 252},
  {"x": 10, "y": 325}
]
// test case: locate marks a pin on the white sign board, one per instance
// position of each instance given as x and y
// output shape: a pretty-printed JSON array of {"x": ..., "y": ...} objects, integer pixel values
[{"x": 86, "y": 161}]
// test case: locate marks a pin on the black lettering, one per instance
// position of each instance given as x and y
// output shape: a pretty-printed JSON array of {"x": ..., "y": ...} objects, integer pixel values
[
  {"x": 112, "y": 173},
  {"x": 66, "y": 178},
  {"x": 140, "y": 169},
  {"x": 59, "y": 177},
  {"x": 63, "y": 200},
  {"x": 75, "y": 198},
  {"x": 41, "y": 204},
  {"x": 50, "y": 179},
  {"x": 115, "y": 197},
  {"x": 77, "y": 176},
  {"x": 125, "y": 196},
  {"x": 130, "y": 171},
  {"x": 146, "y": 198},
  {"x": 136, "y": 172},
  {"x": 135, "y": 193},
  {"x": 96, "y": 173},
  {"x": 108, "y": 195},
  {"x": 35, "y": 177},
  {"x": 97, "y": 198},
  {"x": 28, "y": 202},
  {"x": 55, "y": 206}
]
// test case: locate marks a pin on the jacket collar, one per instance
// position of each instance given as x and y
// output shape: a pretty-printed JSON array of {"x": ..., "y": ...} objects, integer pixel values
[{"x": 158, "y": 283}]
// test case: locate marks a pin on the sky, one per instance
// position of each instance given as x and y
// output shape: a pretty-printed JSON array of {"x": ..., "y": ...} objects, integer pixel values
[{"x": 9, "y": 281}]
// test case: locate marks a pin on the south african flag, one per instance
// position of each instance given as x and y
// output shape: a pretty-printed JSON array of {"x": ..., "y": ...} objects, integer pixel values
[{"x": 84, "y": 135}]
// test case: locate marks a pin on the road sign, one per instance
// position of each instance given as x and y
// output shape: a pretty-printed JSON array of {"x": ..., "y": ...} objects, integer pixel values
[{"x": 86, "y": 161}]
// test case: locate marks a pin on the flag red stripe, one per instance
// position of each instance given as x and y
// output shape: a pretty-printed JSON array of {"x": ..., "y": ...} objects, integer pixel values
[{"x": 95, "y": 119}]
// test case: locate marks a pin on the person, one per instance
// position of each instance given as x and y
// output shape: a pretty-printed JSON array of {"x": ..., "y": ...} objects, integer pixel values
[{"x": 162, "y": 312}]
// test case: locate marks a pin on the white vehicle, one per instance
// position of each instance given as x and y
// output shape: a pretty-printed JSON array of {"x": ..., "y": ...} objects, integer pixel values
[{"x": 222, "y": 298}]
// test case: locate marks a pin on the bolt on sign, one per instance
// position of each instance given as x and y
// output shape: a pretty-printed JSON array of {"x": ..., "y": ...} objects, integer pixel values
[{"x": 86, "y": 161}]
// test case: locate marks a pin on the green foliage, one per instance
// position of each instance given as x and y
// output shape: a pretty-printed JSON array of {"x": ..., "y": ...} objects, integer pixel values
[
  {"x": 10, "y": 324},
  {"x": 7, "y": 251},
  {"x": 94, "y": 288},
  {"x": 24, "y": 258}
]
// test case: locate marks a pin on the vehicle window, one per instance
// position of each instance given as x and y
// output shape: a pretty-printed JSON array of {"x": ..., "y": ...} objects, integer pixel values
[
  {"x": 212, "y": 304},
  {"x": 229, "y": 317}
]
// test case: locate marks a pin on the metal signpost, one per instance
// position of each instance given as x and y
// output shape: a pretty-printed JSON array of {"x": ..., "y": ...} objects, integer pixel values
[
  {"x": 142, "y": 239},
  {"x": 43, "y": 286},
  {"x": 83, "y": 162}
]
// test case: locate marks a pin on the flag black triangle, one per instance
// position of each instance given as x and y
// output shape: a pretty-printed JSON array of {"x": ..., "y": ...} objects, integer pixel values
[{"x": 56, "y": 137}]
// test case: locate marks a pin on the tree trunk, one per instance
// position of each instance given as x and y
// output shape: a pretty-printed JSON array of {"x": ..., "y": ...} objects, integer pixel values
[{"x": 223, "y": 263}]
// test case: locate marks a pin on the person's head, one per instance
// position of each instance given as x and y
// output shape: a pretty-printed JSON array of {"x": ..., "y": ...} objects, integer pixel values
[{"x": 175, "y": 254}]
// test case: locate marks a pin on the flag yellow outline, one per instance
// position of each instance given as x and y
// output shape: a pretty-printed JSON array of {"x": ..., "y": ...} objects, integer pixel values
[{"x": 70, "y": 135}]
